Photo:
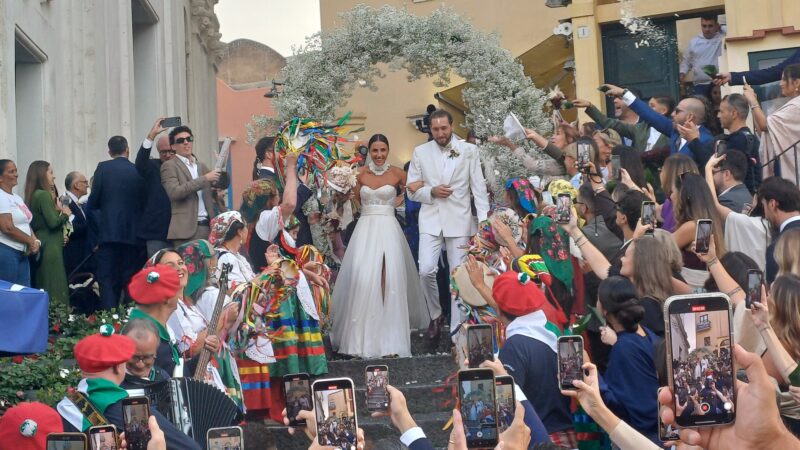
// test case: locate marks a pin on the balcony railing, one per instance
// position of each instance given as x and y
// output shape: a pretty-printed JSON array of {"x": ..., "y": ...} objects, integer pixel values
[{"x": 793, "y": 149}]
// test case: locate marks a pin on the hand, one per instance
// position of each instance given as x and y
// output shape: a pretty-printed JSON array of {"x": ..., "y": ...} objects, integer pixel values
[
  {"x": 505, "y": 255},
  {"x": 231, "y": 314},
  {"x": 474, "y": 271},
  {"x": 496, "y": 365},
  {"x": 311, "y": 423},
  {"x": 712, "y": 250},
  {"x": 156, "y": 129},
  {"x": 714, "y": 161},
  {"x": 722, "y": 78},
  {"x": 608, "y": 335},
  {"x": 212, "y": 344},
  {"x": 212, "y": 176},
  {"x": 581, "y": 103},
  {"x": 688, "y": 130},
  {"x": 614, "y": 91},
  {"x": 317, "y": 279},
  {"x": 572, "y": 227},
  {"x": 457, "y": 441},
  {"x": 758, "y": 423},
  {"x": 759, "y": 311},
  {"x": 503, "y": 231},
  {"x": 65, "y": 209},
  {"x": 290, "y": 161},
  {"x": 641, "y": 229},
  {"x": 34, "y": 245},
  {"x": 157, "y": 440},
  {"x": 588, "y": 391},
  {"x": 625, "y": 178},
  {"x": 272, "y": 254},
  {"x": 441, "y": 191},
  {"x": 314, "y": 218},
  {"x": 750, "y": 95},
  {"x": 532, "y": 134},
  {"x": 518, "y": 435},
  {"x": 504, "y": 141},
  {"x": 398, "y": 411},
  {"x": 414, "y": 187}
]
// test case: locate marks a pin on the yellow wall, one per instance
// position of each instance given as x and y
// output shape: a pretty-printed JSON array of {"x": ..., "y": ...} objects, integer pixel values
[{"x": 521, "y": 25}]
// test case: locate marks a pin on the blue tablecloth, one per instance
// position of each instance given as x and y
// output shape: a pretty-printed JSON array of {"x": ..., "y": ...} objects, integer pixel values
[{"x": 23, "y": 319}]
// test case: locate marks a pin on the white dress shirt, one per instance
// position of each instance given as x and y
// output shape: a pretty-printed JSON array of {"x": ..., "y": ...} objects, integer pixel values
[
  {"x": 191, "y": 164},
  {"x": 702, "y": 52}
]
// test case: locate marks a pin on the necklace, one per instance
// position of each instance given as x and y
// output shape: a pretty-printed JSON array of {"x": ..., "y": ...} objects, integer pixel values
[{"x": 376, "y": 169}]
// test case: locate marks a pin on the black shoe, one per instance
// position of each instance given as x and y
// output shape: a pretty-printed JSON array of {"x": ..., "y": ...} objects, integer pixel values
[{"x": 435, "y": 329}]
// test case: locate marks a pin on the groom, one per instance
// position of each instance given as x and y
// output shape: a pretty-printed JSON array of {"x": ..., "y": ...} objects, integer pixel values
[{"x": 450, "y": 171}]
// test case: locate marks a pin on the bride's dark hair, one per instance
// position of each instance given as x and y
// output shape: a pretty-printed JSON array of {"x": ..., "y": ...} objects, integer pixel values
[{"x": 378, "y": 138}]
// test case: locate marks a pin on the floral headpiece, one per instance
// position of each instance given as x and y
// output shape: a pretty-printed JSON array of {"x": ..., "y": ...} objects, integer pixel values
[
  {"x": 291, "y": 222},
  {"x": 525, "y": 193},
  {"x": 342, "y": 179},
  {"x": 221, "y": 224},
  {"x": 255, "y": 197}
]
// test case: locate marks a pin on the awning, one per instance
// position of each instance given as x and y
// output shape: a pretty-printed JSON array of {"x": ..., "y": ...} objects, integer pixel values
[{"x": 544, "y": 63}]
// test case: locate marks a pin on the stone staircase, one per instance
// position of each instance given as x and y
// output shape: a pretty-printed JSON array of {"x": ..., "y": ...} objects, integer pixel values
[{"x": 418, "y": 377}]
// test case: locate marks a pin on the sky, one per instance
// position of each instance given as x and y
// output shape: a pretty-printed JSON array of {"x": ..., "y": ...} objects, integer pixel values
[{"x": 279, "y": 24}]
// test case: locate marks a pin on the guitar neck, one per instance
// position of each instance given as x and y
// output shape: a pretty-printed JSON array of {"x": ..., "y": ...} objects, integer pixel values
[{"x": 213, "y": 324}]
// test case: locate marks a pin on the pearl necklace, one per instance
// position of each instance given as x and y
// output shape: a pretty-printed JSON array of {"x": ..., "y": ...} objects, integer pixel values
[{"x": 376, "y": 169}]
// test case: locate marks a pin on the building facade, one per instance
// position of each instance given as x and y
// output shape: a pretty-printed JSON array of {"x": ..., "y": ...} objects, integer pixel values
[{"x": 75, "y": 72}]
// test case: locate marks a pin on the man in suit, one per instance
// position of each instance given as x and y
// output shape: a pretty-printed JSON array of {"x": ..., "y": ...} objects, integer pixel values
[
  {"x": 117, "y": 191},
  {"x": 450, "y": 172},
  {"x": 78, "y": 247},
  {"x": 154, "y": 224},
  {"x": 728, "y": 175},
  {"x": 187, "y": 182},
  {"x": 781, "y": 201}
]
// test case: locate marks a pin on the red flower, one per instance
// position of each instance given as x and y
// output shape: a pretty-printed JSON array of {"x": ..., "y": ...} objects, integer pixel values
[
  {"x": 57, "y": 327},
  {"x": 117, "y": 327},
  {"x": 17, "y": 359},
  {"x": 92, "y": 319}
]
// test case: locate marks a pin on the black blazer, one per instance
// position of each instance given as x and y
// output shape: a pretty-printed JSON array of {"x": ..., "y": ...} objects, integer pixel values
[
  {"x": 157, "y": 211},
  {"x": 736, "y": 198},
  {"x": 117, "y": 192},
  {"x": 421, "y": 444},
  {"x": 772, "y": 265},
  {"x": 78, "y": 246}
]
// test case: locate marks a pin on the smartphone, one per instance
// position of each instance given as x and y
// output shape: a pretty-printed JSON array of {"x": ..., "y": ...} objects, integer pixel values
[
  {"x": 667, "y": 433},
  {"x": 648, "y": 213},
  {"x": 702, "y": 237},
  {"x": 480, "y": 344},
  {"x": 297, "y": 392},
  {"x": 66, "y": 441},
  {"x": 506, "y": 402},
  {"x": 171, "y": 122},
  {"x": 570, "y": 360},
  {"x": 616, "y": 164},
  {"x": 103, "y": 437},
  {"x": 225, "y": 438},
  {"x": 583, "y": 155},
  {"x": 721, "y": 147},
  {"x": 563, "y": 208},
  {"x": 701, "y": 372},
  {"x": 335, "y": 408},
  {"x": 377, "y": 378},
  {"x": 477, "y": 397},
  {"x": 135, "y": 414},
  {"x": 755, "y": 279}
]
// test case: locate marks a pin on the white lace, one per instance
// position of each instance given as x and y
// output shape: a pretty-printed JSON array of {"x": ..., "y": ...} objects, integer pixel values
[{"x": 376, "y": 169}]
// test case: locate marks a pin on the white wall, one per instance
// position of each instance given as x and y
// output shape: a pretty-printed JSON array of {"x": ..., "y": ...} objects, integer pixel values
[{"x": 90, "y": 87}]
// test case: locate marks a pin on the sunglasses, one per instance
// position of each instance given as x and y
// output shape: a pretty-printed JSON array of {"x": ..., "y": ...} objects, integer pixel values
[
  {"x": 168, "y": 152},
  {"x": 186, "y": 139}
]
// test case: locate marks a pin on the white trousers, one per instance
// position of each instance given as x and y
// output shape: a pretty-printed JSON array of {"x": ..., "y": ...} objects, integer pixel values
[{"x": 430, "y": 250}]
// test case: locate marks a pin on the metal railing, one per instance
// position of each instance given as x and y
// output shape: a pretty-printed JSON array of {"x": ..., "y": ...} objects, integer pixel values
[{"x": 775, "y": 158}]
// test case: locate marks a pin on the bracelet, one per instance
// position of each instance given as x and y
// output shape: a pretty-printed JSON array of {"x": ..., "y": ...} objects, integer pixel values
[
  {"x": 754, "y": 107},
  {"x": 735, "y": 290},
  {"x": 764, "y": 328},
  {"x": 712, "y": 262}
]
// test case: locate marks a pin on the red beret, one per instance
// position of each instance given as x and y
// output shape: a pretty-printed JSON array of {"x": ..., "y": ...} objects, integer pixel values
[
  {"x": 98, "y": 352},
  {"x": 155, "y": 284},
  {"x": 516, "y": 294},
  {"x": 27, "y": 425}
]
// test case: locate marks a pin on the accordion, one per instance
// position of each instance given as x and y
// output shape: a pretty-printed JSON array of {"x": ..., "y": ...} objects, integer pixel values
[{"x": 193, "y": 406}]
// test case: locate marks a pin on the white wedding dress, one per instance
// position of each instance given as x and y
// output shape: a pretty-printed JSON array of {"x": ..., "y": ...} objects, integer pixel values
[{"x": 366, "y": 321}]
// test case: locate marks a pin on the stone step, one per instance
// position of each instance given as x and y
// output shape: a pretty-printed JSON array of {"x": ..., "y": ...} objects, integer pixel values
[
  {"x": 421, "y": 346},
  {"x": 423, "y": 369},
  {"x": 420, "y": 398}
]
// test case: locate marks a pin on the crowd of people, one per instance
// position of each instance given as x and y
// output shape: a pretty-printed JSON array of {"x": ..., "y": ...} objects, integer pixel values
[{"x": 268, "y": 288}]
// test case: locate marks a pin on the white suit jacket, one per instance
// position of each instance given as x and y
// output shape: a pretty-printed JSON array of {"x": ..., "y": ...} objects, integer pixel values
[{"x": 452, "y": 216}]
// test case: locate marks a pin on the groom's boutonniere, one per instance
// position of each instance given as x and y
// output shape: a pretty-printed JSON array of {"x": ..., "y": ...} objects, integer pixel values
[{"x": 453, "y": 154}]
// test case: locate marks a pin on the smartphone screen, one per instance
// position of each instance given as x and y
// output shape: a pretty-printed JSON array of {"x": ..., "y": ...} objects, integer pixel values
[
  {"x": 335, "y": 408},
  {"x": 480, "y": 343},
  {"x": 377, "y": 378},
  {"x": 103, "y": 437},
  {"x": 721, "y": 147},
  {"x": 648, "y": 213},
  {"x": 616, "y": 164},
  {"x": 563, "y": 208},
  {"x": 702, "y": 237},
  {"x": 476, "y": 393},
  {"x": 570, "y": 360},
  {"x": 297, "y": 392},
  {"x": 583, "y": 155},
  {"x": 135, "y": 414},
  {"x": 506, "y": 403},
  {"x": 66, "y": 441},
  {"x": 667, "y": 433},
  {"x": 227, "y": 438},
  {"x": 755, "y": 279},
  {"x": 701, "y": 373},
  {"x": 171, "y": 122}
]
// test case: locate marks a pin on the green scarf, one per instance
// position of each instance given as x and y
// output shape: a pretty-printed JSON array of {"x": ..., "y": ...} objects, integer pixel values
[
  {"x": 553, "y": 248},
  {"x": 104, "y": 393},
  {"x": 163, "y": 334}
]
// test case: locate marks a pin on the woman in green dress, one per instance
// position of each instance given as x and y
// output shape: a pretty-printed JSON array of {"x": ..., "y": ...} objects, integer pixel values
[{"x": 49, "y": 221}]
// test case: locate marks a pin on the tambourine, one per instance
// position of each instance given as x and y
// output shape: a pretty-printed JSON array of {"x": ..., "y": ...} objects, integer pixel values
[{"x": 466, "y": 290}]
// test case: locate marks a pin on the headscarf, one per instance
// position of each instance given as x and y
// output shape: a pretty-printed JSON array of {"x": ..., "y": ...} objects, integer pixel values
[
  {"x": 221, "y": 224},
  {"x": 562, "y": 187},
  {"x": 195, "y": 254},
  {"x": 525, "y": 194},
  {"x": 553, "y": 246},
  {"x": 255, "y": 198}
]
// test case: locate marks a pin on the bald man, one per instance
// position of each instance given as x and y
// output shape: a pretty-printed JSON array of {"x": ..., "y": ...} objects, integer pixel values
[
  {"x": 157, "y": 212},
  {"x": 141, "y": 369},
  {"x": 690, "y": 112}
]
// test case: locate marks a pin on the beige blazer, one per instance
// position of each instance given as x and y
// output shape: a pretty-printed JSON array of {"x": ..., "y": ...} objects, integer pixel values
[{"x": 182, "y": 192}]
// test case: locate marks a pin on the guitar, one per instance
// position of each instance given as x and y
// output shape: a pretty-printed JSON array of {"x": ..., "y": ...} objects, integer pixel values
[{"x": 213, "y": 324}]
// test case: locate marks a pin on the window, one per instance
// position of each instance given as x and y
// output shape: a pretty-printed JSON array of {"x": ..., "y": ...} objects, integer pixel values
[
  {"x": 703, "y": 323},
  {"x": 707, "y": 342}
]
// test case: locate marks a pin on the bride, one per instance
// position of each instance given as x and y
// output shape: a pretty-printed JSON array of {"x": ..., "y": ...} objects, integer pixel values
[{"x": 377, "y": 298}]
